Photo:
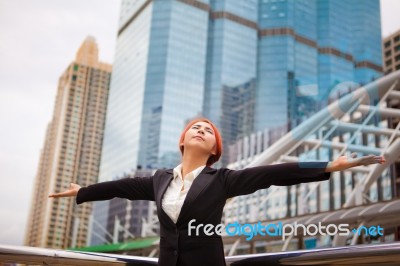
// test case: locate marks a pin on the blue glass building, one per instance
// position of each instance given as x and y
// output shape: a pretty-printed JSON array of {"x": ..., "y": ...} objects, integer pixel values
[
  {"x": 158, "y": 85},
  {"x": 277, "y": 60},
  {"x": 175, "y": 59},
  {"x": 310, "y": 49}
]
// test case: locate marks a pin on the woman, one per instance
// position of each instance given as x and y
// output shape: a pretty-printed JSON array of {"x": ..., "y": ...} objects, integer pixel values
[{"x": 194, "y": 190}]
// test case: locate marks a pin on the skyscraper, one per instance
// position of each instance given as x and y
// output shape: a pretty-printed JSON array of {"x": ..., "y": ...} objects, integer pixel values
[
  {"x": 309, "y": 50},
  {"x": 176, "y": 59},
  {"x": 275, "y": 62},
  {"x": 71, "y": 152},
  {"x": 157, "y": 85}
]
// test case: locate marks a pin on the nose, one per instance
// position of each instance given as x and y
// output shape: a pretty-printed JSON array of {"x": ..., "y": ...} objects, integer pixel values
[{"x": 200, "y": 130}]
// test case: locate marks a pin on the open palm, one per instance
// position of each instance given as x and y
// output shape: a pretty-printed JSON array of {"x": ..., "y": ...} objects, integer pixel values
[
  {"x": 364, "y": 160},
  {"x": 345, "y": 162},
  {"x": 72, "y": 191},
  {"x": 352, "y": 160}
]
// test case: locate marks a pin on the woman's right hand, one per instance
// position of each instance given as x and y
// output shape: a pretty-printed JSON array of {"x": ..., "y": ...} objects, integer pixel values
[{"x": 71, "y": 192}]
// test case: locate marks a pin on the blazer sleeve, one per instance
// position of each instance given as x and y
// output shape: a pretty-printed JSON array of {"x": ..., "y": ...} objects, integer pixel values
[
  {"x": 249, "y": 180},
  {"x": 137, "y": 188}
]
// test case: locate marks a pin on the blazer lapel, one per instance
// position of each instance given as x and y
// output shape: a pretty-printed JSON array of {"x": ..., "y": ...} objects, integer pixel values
[
  {"x": 198, "y": 185},
  {"x": 165, "y": 179}
]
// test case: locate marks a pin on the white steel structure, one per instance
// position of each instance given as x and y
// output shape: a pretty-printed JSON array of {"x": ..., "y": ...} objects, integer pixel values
[{"x": 365, "y": 121}]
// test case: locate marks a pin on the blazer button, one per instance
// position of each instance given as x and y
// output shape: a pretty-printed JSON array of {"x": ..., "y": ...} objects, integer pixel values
[{"x": 175, "y": 253}]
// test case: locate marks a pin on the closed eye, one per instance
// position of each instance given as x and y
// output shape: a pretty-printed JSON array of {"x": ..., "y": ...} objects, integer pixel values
[{"x": 209, "y": 130}]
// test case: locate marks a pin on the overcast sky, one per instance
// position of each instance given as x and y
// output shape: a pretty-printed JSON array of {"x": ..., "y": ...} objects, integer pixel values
[{"x": 38, "y": 40}]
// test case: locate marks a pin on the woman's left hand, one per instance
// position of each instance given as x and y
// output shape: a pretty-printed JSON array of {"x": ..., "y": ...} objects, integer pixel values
[{"x": 345, "y": 162}]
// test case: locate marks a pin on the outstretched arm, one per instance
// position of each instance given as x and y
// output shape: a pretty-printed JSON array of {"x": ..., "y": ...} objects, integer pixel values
[
  {"x": 249, "y": 180},
  {"x": 344, "y": 162},
  {"x": 137, "y": 188}
]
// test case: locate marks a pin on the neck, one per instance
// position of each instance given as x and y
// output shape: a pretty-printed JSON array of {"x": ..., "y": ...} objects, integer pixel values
[{"x": 191, "y": 161}]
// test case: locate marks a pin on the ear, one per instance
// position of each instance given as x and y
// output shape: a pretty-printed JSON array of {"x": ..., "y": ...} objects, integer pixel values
[{"x": 214, "y": 150}]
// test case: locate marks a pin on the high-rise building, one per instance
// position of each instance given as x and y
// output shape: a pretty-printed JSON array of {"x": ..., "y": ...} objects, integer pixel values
[
  {"x": 71, "y": 152},
  {"x": 157, "y": 85},
  {"x": 308, "y": 50},
  {"x": 231, "y": 63},
  {"x": 391, "y": 52},
  {"x": 177, "y": 59}
]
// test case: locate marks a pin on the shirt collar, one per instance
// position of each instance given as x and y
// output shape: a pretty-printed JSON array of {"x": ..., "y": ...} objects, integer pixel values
[{"x": 196, "y": 172}]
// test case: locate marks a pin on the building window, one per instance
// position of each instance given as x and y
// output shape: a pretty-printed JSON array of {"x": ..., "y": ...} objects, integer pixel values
[{"x": 387, "y": 44}]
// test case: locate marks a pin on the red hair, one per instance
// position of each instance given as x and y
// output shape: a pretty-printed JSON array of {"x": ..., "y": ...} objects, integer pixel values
[{"x": 218, "y": 139}]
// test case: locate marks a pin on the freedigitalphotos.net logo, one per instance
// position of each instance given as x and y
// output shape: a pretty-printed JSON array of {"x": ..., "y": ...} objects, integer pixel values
[{"x": 280, "y": 229}]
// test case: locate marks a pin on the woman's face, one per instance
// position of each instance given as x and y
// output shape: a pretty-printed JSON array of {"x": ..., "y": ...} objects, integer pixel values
[{"x": 202, "y": 136}]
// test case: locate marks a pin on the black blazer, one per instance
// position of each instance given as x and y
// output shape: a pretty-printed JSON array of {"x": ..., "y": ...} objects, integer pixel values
[{"x": 204, "y": 202}]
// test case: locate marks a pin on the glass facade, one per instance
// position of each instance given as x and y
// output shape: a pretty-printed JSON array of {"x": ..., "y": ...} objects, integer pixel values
[
  {"x": 310, "y": 50},
  {"x": 231, "y": 69},
  {"x": 367, "y": 40},
  {"x": 123, "y": 120},
  {"x": 174, "y": 80},
  {"x": 176, "y": 60},
  {"x": 157, "y": 86},
  {"x": 334, "y": 69}
]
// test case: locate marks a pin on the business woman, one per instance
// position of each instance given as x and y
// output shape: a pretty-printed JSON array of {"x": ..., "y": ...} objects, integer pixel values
[{"x": 194, "y": 190}]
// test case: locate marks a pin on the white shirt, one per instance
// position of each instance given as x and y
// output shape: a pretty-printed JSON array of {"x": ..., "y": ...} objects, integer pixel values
[{"x": 177, "y": 190}]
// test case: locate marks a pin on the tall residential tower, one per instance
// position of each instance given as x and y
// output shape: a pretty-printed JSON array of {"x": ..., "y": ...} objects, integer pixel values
[
  {"x": 391, "y": 52},
  {"x": 71, "y": 152}
]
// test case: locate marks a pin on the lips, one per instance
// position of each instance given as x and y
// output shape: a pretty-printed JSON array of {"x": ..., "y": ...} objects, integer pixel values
[{"x": 198, "y": 137}]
